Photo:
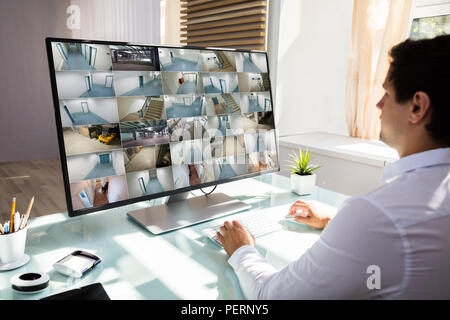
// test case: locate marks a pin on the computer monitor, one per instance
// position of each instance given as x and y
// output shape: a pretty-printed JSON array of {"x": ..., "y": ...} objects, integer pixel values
[{"x": 137, "y": 122}]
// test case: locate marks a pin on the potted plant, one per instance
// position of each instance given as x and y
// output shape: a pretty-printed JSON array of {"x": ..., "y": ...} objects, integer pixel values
[{"x": 303, "y": 179}]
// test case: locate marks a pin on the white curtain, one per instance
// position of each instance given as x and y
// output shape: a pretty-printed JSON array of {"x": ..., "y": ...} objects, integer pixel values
[
  {"x": 378, "y": 25},
  {"x": 170, "y": 22},
  {"x": 119, "y": 20}
]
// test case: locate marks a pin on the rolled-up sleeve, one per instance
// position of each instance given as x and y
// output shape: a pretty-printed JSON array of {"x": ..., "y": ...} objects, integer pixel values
[{"x": 336, "y": 266}]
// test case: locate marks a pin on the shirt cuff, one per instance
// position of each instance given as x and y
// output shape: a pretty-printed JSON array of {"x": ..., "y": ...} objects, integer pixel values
[{"x": 237, "y": 256}]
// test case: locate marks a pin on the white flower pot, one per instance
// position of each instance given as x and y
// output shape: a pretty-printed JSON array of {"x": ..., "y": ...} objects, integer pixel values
[{"x": 303, "y": 185}]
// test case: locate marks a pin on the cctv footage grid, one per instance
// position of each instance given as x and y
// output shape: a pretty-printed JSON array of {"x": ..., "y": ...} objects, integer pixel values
[{"x": 141, "y": 120}]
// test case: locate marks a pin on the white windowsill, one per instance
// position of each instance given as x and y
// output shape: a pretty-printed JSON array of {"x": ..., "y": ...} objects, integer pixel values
[{"x": 374, "y": 153}]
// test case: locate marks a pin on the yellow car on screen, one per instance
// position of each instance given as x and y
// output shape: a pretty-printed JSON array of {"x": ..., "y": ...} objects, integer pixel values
[{"x": 107, "y": 136}]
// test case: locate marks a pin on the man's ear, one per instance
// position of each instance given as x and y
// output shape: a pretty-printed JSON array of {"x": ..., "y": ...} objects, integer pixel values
[{"x": 420, "y": 107}]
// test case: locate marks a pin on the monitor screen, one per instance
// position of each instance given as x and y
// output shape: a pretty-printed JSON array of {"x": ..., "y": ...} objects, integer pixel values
[{"x": 137, "y": 122}]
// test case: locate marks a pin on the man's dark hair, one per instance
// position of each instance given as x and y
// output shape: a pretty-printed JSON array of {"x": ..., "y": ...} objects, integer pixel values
[{"x": 424, "y": 65}]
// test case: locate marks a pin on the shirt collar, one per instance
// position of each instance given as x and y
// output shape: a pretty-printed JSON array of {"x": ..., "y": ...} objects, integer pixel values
[{"x": 415, "y": 161}]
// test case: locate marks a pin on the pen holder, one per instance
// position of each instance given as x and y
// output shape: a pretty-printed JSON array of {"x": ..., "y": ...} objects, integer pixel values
[{"x": 12, "y": 246}]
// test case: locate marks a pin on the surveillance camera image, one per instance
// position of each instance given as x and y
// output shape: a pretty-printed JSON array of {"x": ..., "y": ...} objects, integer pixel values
[
  {"x": 135, "y": 58},
  {"x": 144, "y": 120},
  {"x": 141, "y": 108}
]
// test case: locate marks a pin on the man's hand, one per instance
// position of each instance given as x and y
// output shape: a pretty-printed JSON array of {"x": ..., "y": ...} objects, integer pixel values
[
  {"x": 232, "y": 236},
  {"x": 310, "y": 215}
]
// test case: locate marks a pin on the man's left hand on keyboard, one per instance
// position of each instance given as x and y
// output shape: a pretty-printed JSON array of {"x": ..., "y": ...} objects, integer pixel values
[{"x": 232, "y": 236}]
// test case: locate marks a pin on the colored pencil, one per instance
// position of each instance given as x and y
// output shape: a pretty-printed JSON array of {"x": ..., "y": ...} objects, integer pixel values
[
  {"x": 27, "y": 214},
  {"x": 13, "y": 210}
]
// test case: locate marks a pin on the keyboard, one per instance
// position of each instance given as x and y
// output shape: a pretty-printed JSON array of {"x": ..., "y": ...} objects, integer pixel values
[{"x": 257, "y": 223}]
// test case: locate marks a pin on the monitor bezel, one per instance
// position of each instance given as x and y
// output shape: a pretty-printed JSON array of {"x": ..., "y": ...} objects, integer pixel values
[{"x": 62, "y": 151}]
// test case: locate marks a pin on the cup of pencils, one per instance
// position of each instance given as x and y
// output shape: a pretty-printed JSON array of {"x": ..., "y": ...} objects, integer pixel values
[{"x": 13, "y": 235}]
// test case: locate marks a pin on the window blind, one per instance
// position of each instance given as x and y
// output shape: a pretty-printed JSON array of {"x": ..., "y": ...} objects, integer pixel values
[{"x": 224, "y": 23}]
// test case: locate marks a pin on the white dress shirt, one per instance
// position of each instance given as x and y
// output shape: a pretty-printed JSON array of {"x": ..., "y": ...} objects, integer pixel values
[{"x": 401, "y": 228}]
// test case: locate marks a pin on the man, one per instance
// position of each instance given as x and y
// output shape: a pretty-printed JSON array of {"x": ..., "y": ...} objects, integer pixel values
[{"x": 400, "y": 231}]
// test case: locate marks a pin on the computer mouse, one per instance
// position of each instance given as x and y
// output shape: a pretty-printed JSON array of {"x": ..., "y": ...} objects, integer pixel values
[{"x": 298, "y": 213}]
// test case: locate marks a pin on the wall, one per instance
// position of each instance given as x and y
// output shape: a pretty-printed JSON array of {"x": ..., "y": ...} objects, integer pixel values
[
  {"x": 117, "y": 189},
  {"x": 231, "y": 56},
  {"x": 260, "y": 96},
  {"x": 99, "y": 78},
  {"x": 244, "y": 102},
  {"x": 71, "y": 84},
  {"x": 125, "y": 82},
  {"x": 232, "y": 81},
  {"x": 170, "y": 81},
  {"x": 230, "y": 78},
  {"x": 104, "y": 108},
  {"x": 26, "y": 91},
  {"x": 165, "y": 178},
  {"x": 250, "y": 142},
  {"x": 76, "y": 188},
  {"x": 134, "y": 189},
  {"x": 188, "y": 55},
  {"x": 213, "y": 125},
  {"x": 246, "y": 84},
  {"x": 118, "y": 162},
  {"x": 236, "y": 124},
  {"x": 79, "y": 166},
  {"x": 164, "y": 57},
  {"x": 65, "y": 120},
  {"x": 126, "y": 136},
  {"x": 170, "y": 22},
  {"x": 203, "y": 103},
  {"x": 308, "y": 47},
  {"x": 26, "y": 105},
  {"x": 127, "y": 105},
  {"x": 58, "y": 60},
  {"x": 259, "y": 60},
  {"x": 148, "y": 77},
  {"x": 266, "y": 141},
  {"x": 239, "y": 61},
  {"x": 237, "y": 165},
  {"x": 103, "y": 59},
  {"x": 119, "y": 20},
  {"x": 208, "y": 173}
]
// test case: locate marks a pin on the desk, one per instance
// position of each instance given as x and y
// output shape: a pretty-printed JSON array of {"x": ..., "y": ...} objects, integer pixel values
[{"x": 182, "y": 264}]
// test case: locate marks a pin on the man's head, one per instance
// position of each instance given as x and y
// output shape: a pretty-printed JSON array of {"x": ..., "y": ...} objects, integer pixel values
[{"x": 416, "y": 105}]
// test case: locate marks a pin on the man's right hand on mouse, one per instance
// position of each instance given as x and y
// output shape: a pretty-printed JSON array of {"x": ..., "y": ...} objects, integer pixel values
[{"x": 310, "y": 215}]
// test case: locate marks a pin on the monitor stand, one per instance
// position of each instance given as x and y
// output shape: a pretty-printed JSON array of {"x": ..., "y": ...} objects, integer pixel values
[{"x": 180, "y": 211}]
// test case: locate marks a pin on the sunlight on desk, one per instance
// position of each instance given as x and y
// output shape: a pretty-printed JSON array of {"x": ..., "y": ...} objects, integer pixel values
[
  {"x": 108, "y": 275},
  {"x": 126, "y": 290},
  {"x": 187, "y": 234},
  {"x": 46, "y": 220},
  {"x": 169, "y": 264},
  {"x": 287, "y": 246}
]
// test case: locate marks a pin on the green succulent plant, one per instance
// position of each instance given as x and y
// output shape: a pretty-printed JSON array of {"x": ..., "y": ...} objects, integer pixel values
[{"x": 299, "y": 164}]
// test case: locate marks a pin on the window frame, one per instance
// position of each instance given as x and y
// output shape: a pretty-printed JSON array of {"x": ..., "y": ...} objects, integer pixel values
[{"x": 431, "y": 8}]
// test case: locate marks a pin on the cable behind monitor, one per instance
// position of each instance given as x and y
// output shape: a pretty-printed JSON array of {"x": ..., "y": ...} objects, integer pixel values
[{"x": 207, "y": 194}]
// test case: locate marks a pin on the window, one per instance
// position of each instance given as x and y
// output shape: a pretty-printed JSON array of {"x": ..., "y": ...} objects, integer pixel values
[{"x": 431, "y": 18}]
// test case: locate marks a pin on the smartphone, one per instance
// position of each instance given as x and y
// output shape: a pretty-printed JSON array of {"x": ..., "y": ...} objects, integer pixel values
[{"x": 77, "y": 264}]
